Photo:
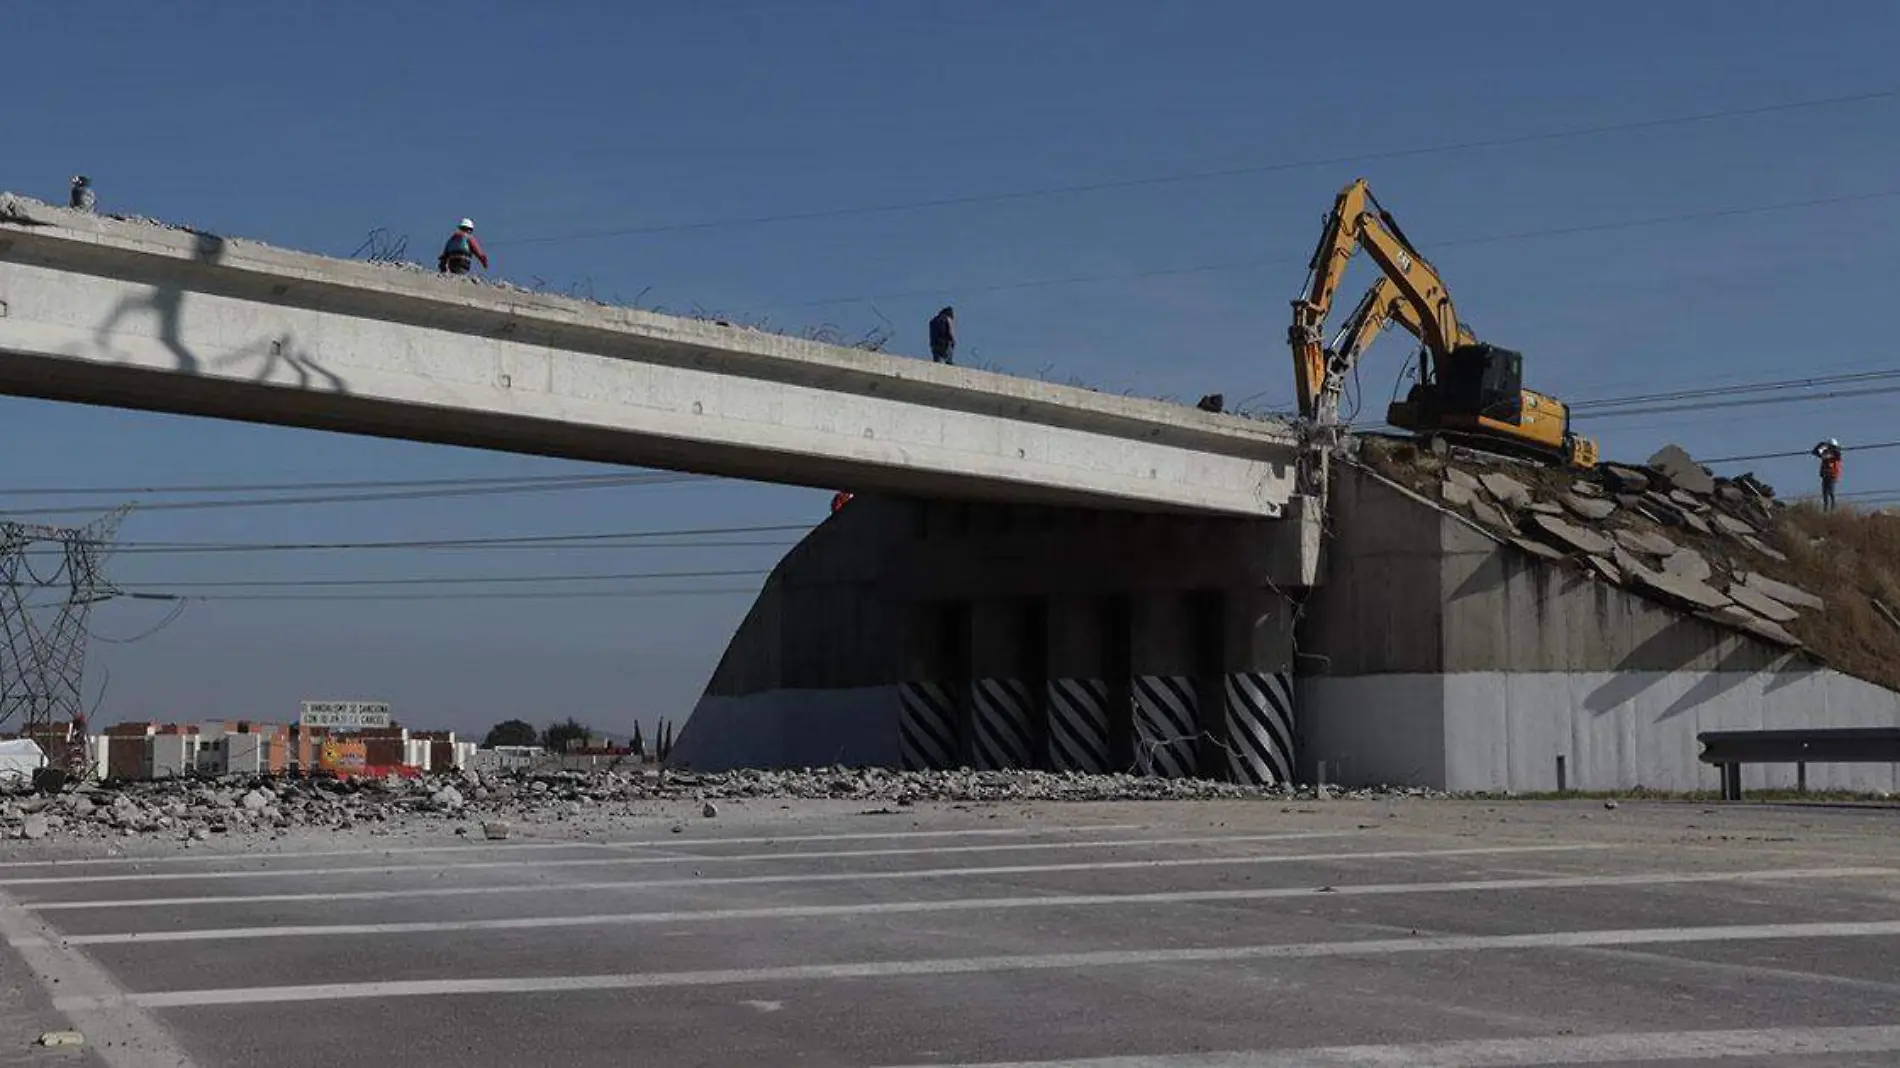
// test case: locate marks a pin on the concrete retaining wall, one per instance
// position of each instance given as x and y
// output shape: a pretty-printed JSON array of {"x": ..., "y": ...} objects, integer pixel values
[{"x": 1442, "y": 657}]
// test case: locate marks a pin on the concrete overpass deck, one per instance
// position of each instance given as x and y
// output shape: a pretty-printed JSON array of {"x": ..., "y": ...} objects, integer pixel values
[{"x": 137, "y": 315}]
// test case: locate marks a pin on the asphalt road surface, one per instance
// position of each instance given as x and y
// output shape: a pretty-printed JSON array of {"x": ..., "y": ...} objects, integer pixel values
[{"x": 1182, "y": 935}]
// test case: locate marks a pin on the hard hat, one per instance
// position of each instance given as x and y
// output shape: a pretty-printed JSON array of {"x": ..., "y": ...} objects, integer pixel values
[
  {"x": 468, "y": 224},
  {"x": 1834, "y": 442}
]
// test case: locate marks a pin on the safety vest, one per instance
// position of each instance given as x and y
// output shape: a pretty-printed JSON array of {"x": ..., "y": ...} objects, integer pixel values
[{"x": 1831, "y": 467}]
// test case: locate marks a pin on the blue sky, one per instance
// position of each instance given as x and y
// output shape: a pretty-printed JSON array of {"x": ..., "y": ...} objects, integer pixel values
[{"x": 310, "y": 127}]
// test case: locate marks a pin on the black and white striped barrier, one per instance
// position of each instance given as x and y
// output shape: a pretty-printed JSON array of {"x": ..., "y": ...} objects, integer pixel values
[
  {"x": 927, "y": 726},
  {"x": 1078, "y": 725},
  {"x": 1260, "y": 727},
  {"x": 1002, "y": 720},
  {"x": 1166, "y": 711}
]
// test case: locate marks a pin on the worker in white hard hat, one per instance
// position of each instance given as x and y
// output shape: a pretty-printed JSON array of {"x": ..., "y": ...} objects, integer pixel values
[
  {"x": 462, "y": 250},
  {"x": 81, "y": 196},
  {"x": 1829, "y": 452}
]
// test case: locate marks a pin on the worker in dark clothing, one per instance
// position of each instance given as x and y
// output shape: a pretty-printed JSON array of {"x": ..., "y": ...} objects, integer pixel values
[
  {"x": 82, "y": 197},
  {"x": 461, "y": 251},
  {"x": 943, "y": 336},
  {"x": 1829, "y": 452}
]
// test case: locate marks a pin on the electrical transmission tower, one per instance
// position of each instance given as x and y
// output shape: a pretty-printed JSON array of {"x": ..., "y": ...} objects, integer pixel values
[{"x": 50, "y": 577}]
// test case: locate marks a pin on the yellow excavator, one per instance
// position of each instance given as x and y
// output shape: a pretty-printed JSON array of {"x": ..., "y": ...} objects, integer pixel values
[{"x": 1467, "y": 390}]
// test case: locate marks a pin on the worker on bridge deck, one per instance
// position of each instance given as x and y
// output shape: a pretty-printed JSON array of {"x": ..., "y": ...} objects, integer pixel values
[
  {"x": 461, "y": 251},
  {"x": 1830, "y": 453},
  {"x": 943, "y": 336}
]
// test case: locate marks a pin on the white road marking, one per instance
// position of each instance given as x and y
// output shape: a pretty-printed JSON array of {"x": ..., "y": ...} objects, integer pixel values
[
  {"x": 670, "y": 858},
  {"x": 638, "y": 843},
  {"x": 264, "y": 995},
  {"x": 1513, "y": 1052},
  {"x": 981, "y": 904},
  {"x": 804, "y": 877},
  {"x": 120, "y": 1034}
]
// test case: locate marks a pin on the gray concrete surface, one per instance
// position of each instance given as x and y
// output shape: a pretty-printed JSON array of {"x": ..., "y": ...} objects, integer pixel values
[
  {"x": 1119, "y": 935},
  {"x": 140, "y": 316},
  {"x": 1438, "y": 655}
]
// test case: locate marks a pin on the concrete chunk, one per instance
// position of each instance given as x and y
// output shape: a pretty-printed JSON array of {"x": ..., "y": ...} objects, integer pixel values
[
  {"x": 1586, "y": 489},
  {"x": 1551, "y": 508},
  {"x": 1606, "y": 569},
  {"x": 1571, "y": 536},
  {"x": 1462, "y": 477},
  {"x": 1536, "y": 548},
  {"x": 1456, "y": 493},
  {"x": 1753, "y": 624},
  {"x": 1687, "y": 564},
  {"x": 1680, "y": 590},
  {"x": 1624, "y": 480},
  {"x": 1595, "y": 509},
  {"x": 1680, "y": 471},
  {"x": 1734, "y": 526},
  {"x": 1764, "y": 548},
  {"x": 1762, "y": 605},
  {"x": 1488, "y": 515},
  {"x": 1696, "y": 523},
  {"x": 1637, "y": 541},
  {"x": 1506, "y": 489},
  {"x": 1782, "y": 592}
]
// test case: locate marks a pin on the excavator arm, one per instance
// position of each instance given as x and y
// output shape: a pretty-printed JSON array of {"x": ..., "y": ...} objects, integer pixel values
[{"x": 1409, "y": 290}]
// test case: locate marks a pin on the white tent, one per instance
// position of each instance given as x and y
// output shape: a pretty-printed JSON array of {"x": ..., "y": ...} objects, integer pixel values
[{"x": 18, "y": 759}]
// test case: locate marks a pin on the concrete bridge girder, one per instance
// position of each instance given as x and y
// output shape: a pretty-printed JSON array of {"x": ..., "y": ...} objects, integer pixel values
[{"x": 138, "y": 316}]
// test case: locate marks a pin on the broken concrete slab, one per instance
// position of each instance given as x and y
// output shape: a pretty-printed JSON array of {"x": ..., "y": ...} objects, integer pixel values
[
  {"x": 1551, "y": 508},
  {"x": 1626, "y": 562},
  {"x": 1638, "y": 541},
  {"x": 1681, "y": 590},
  {"x": 1628, "y": 500},
  {"x": 1688, "y": 564},
  {"x": 1456, "y": 494},
  {"x": 1586, "y": 489},
  {"x": 1688, "y": 500},
  {"x": 1463, "y": 478},
  {"x": 1605, "y": 568},
  {"x": 1762, "y": 605},
  {"x": 1505, "y": 488},
  {"x": 1623, "y": 480},
  {"x": 1752, "y": 624},
  {"x": 1764, "y": 548},
  {"x": 1488, "y": 515},
  {"x": 1781, "y": 591},
  {"x": 1595, "y": 509},
  {"x": 1734, "y": 526},
  {"x": 1536, "y": 548},
  {"x": 1570, "y": 536},
  {"x": 1696, "y": 523},
  {"x": 1680, "y": 471}
]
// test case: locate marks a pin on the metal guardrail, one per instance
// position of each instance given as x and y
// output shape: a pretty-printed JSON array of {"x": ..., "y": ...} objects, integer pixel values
[{"x": 1729, "y": 750}]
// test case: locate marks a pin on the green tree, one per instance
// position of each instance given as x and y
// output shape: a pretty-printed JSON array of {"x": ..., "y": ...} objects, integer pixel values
[
  {"x": 510, "y": 732},
  {"x": 556, "y": 737}
]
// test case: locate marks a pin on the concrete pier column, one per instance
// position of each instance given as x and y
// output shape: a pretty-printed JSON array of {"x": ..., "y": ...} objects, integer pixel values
[
  {"x": 1256, "y": 627},
  {"x": 933, "y": 696},
  {"x": 1007, "y": 657},
  {"x": 1165, "y": 667},
  {"x": 1081, "y": 647}
]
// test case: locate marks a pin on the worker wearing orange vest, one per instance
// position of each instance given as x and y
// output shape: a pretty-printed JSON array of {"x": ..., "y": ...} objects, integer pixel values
[{"x": 1830, "y": 453}]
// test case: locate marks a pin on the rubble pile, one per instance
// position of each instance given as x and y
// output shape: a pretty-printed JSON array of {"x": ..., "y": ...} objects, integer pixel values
[
  {"x": 1669, "y": 530},
  {"x": 487, "y": 803}
]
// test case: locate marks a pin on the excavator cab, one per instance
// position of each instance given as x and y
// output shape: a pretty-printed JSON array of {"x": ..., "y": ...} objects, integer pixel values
[{"x": 1466, "y": 384}]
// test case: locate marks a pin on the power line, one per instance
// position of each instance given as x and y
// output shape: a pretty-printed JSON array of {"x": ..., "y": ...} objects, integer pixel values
[
  {"x": 1204, "y": 175},
  {"x": 527, "y": 540},
  {"x": 1736, "y": 389},
  {"x": 1248, "y": 264},
  {"x": 551, "y": 595},
  {"x": 1745, "y": 402},
  {"x": 295, "y": 487},
  {"x": 1797, "y": 453},
  {"x": 450, "y": 580},
  {"x": 552, "y": 486}
]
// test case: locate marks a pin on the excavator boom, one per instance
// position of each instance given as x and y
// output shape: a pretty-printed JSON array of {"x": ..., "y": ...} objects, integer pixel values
[{"x": 1466, "y": 388}]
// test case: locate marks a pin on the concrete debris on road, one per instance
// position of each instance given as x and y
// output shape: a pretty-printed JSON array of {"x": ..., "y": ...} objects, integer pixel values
[
  {"x": 1456, "y": 494},
  {"x": 1781, "y": 591},
  {"x": 1624, "y": 480},
  {"x": 62, "y": 1038},
  {"x": 1505, "y": 489},
  {"x": 1762, "y": 605},
  {"x": 1595, "y": 509},
  {"x": 195, "y": 810},
  {"x": 1638, "y": 541},
  {"x": 1687, "y": 564}
]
